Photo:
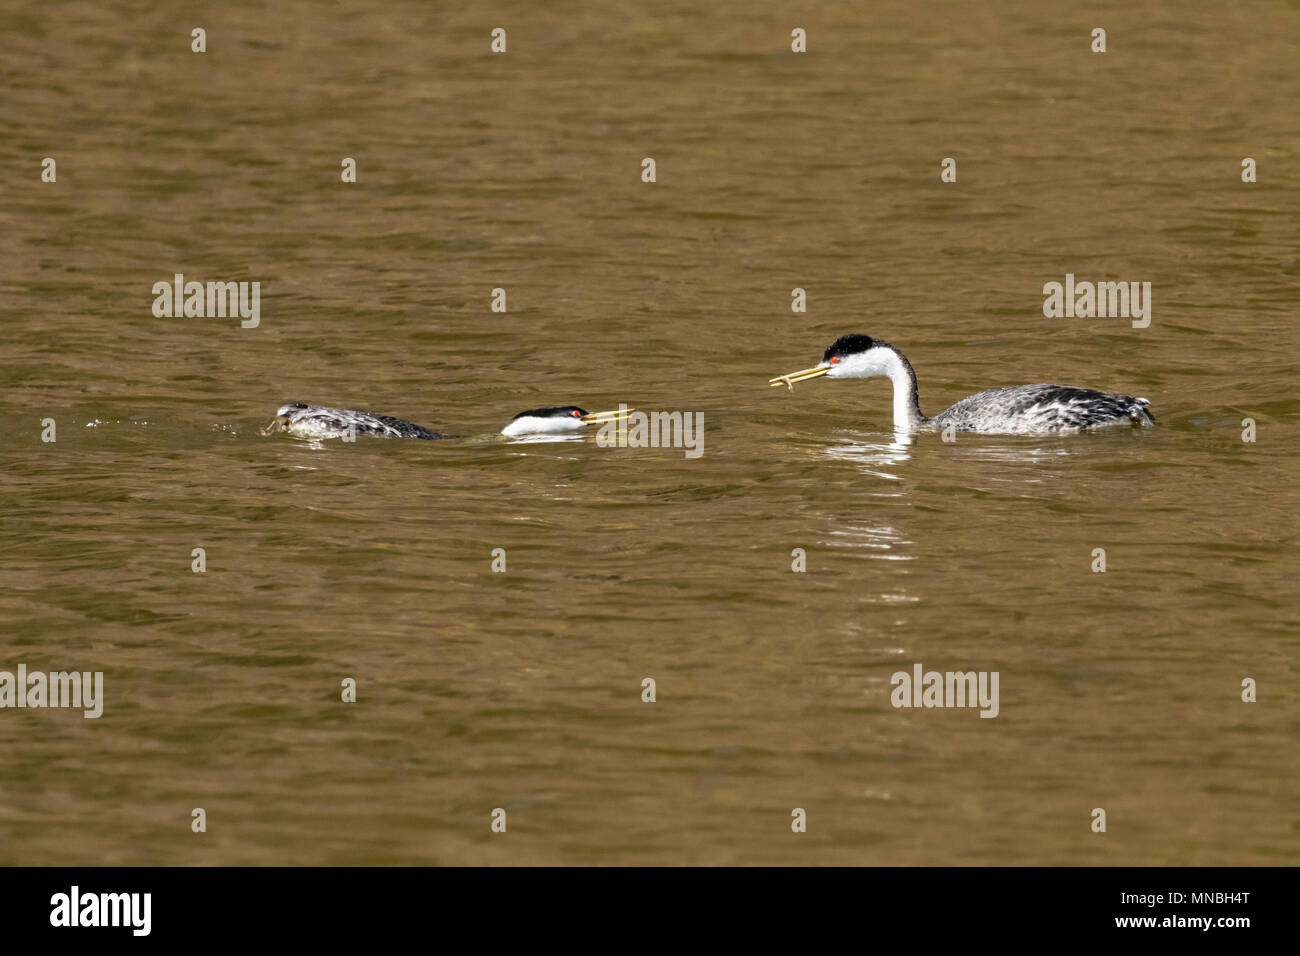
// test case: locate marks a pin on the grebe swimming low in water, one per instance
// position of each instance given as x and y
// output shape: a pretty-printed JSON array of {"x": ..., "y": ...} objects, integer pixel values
[
  {"x": 1016, "y": 410},
  {"x": 558, "y": 420},
  {"x": 317, "y": 421}
]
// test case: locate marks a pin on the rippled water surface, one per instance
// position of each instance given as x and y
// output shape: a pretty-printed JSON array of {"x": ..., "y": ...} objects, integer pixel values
[{"x": 522, "y": 690}]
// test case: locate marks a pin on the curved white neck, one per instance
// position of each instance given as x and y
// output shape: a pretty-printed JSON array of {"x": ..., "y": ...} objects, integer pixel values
[{"x": 907, "y": 412}]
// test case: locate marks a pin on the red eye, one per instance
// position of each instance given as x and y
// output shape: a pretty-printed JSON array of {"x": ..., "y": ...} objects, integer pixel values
[
  {"x": 834, "y": 359},
  {"x": 577, "y": 414}
]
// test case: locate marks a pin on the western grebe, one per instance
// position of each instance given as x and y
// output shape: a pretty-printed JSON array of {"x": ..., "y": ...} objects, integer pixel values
[
  {"x": 558, "y": 420},
  {"x": 1016, "y": 410},
  {"x": 317, "y": 421}
]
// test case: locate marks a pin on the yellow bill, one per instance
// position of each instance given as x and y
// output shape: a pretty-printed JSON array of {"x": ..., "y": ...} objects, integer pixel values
[
  {"x": 601, "y": 418},
  {"x": 800, "y": 376}
]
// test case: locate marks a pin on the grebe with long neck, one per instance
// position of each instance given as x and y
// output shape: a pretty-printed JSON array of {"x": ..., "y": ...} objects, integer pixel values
[{"x": 1016, "y": 410}]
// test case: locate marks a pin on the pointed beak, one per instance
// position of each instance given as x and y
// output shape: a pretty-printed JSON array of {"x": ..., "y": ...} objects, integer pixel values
[
  {"x": 602, "y": 418},
  {"x": 802, "y": 376},
  {"x": 275, "y": 426}
]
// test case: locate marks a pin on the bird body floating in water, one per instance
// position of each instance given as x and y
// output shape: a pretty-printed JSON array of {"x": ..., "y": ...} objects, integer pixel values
[
  {"x": 318, "y": 421},
  {"x": 1016, "y": 410}
]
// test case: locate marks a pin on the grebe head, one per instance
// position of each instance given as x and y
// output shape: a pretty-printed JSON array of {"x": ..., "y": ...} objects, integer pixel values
[
  {"x": 547, "y": 421},
  {"x": 557, "y": 420},
  {"x": 858, "y": 356},
  {"x": 284, "y": 417},
  {"x": 849, "y": 356}
]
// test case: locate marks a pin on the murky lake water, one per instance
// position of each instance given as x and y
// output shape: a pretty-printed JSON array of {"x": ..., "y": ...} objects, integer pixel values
[{"x": 522, "y": 690}]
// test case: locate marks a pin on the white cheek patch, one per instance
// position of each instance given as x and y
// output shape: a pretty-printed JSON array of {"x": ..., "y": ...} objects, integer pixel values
[{"x": 865, "y": 364}]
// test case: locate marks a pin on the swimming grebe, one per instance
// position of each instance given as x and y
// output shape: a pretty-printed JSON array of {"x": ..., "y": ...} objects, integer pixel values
[
  {"x": 557, "y": 420},
  {"x": 317, "y": 421},
  {"x": 1016, "y": 410}
]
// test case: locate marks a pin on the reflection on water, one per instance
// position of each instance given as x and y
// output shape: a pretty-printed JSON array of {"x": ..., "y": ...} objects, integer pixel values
[
  {"x": 545, "y": 439},
  {"x": 846, "y": 535},
  {"x": 374, "y": 560},
  {"x": 873, "y": 455}
]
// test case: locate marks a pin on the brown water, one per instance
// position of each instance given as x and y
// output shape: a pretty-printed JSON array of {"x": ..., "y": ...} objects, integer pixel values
[{"x": 522, "y": 690}]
